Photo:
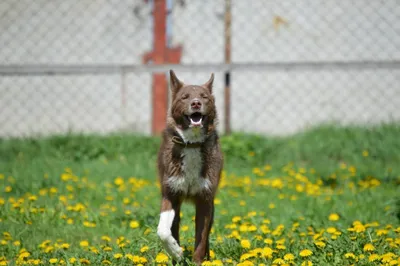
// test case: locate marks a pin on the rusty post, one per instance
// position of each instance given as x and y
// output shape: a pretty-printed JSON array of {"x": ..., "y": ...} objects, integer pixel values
[
  {"x": 160, "y": 55},
  {"x": 227, "y": 90}
]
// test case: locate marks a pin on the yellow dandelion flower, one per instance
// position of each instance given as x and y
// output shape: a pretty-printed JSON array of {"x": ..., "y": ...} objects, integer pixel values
[
  {"x": 365, "y": 153},
  {"x": 305, "y": 253},
  {"x": 334, "y": 217},
  {"x": 247, "y": 256},
  {"x": 350, "y": 255},
  {"x": 307, "y": 263},
  {"x": 278, "y": 261},
  {"x": 267, "y": 252},
  {"x": 106, "y": 262},
  {"x": 236, "y": 219},
  {"x": 119, "y": 181},
  {"x": 212, "y": 254},
  {"x": 185, "y": 228},
  {"x": 118, "y": 255},
  {"x": 134, "y": 224},
  {"x": 161, "y": 258},
  {"x": 373, "y": 257},
  {"x": 53, "y": 260},
  {"x": 65, "y": 246},
  {"x": 84, "y": 243},
  {"x": 288, "y": 257},
  {"x": 320, "y": 244},
  {"x": 217, "y": 263},
  {"x": 144, "y": 249},
  {"x": 72, "y": 260},
  {"x": 368, "y": 247},
  {"x": 245, "y": 243},
  {"x": 84, "y": 261},
  {"x": 268, "y": 241},
  {"x": 281, "y": 247},
  {"x": 106, "y": 238},
  {"x": 245, "y": 263}
]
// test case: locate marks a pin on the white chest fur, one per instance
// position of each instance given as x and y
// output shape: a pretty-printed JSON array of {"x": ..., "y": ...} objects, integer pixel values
[{"x": 191, "y": 182}]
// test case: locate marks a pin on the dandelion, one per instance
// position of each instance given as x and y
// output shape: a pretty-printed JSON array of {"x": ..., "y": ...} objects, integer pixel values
[
  {"x": 247, "y": 256},
  {"x": 106, "y": 262},
  {"x": 144, "y": 249},
  {"x": 118, "y": 255},
  {"x": 106, "y": 238},
  {"x": 305, "y": 253},
  {"x": 53, "y": 260},
  {"x": 288, "y": 257},
  {"x": 245, "y": 263},
  {"x": 185, "y": 228},
  {"x": 320, "y": 244},
  {"x": 84, "y": 261},
  {"x": 333, "y": 217},
  {"x": 236, "y": 219},
  {"x": 72, "y": 260},
  {"x": 307, "y": 263},
  {"x": 161, "y": 258},
  {"x": 373, "y": 257},
  {"x": 368, "y": 247},
  {"x": 245, "y": 243},
  {"x": 134, "y": 224},
  {"x": 84, "y": 243},
  {"x": 278, "y": 261},
  {"x": 350, "y": 255}
]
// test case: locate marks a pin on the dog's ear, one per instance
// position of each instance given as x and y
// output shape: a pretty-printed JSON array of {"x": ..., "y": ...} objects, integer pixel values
[
  {"x": 176, "y": 84},
  {"x": 209, "y": 83}
]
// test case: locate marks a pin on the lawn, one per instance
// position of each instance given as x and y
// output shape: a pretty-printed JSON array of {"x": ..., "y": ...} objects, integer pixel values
[{"x": 327, "y": 196}]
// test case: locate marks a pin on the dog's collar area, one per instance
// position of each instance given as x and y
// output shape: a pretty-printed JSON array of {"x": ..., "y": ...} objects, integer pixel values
[{"x": 181, "y": 142}]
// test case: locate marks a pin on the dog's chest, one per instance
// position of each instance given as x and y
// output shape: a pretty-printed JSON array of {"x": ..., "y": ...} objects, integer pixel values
[{"x": 190, "y": 182}]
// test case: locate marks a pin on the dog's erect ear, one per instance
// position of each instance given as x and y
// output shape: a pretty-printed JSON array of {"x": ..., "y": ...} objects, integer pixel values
[
  {"x": 209, "y": 83},
  {"x": 176, "y": 84}
]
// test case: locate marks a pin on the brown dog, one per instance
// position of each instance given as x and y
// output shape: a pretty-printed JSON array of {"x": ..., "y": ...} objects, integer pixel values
[{"x": 189, "y": 163}]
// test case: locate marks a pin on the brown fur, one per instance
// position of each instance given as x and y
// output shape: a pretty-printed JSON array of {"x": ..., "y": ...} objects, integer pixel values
[{"x": 170, "y": 160}]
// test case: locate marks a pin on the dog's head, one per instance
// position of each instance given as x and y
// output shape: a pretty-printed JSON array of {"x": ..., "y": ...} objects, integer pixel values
[{"x": 193, "y": 106}]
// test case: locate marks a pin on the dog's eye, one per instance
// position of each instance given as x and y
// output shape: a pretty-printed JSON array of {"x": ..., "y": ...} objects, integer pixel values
[
  {"x": 203, "y": 96},
  {"x": 185, "y": 96}
]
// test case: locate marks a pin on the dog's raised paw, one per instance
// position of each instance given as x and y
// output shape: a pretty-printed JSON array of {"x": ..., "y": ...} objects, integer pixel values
[{"x": 172, "y": 247}]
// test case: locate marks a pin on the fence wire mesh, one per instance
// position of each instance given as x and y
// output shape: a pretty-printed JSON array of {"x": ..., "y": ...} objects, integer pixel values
[{"x": 293, "y": 64}]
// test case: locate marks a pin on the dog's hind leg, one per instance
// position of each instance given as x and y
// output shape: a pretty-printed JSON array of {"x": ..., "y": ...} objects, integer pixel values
[{"x": 204, "y": 221}]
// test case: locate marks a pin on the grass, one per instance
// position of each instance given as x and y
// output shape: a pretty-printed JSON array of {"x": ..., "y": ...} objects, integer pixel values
[{"x": 328, "y": 196}]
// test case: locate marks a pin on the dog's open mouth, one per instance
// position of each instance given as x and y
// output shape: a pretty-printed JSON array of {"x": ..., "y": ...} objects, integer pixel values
[{"x": 196, "y": 119}]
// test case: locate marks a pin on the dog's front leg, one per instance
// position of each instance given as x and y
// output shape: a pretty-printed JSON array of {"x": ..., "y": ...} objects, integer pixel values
[
  {"x": 204, "y": 221},
  {"x": 168, "y": 227}
]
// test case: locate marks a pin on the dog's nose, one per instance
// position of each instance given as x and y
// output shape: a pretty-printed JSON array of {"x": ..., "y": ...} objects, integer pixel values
[{"x": 196, "y": 104}]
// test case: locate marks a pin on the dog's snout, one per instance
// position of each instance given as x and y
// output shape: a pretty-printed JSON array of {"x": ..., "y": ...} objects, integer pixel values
[{"x": 196, "y": 104}]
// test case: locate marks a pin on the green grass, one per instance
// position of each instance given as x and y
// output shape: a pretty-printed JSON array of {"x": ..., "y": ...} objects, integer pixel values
[{"x": 295, "y": 181}]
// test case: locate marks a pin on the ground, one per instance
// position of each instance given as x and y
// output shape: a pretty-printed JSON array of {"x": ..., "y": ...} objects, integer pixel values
[{"x": 328, "y": 196}]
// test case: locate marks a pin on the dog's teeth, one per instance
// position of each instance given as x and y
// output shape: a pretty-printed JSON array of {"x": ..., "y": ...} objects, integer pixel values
[{"x": 196, "y": 123}]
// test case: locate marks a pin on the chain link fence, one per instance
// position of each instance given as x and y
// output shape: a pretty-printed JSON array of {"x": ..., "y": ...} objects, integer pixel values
[{"x": 77, "y": 66}]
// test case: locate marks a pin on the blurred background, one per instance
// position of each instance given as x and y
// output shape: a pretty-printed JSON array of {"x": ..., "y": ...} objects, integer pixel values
[{"x": 281, "y": 66}]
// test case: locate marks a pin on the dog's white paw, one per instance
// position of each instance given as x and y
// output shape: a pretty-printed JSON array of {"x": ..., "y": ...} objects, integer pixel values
[{"x": 172, "y": 247}]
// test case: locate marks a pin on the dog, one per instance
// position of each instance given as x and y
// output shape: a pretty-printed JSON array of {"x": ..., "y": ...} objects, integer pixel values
[{"x": 190, "y": 162}]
